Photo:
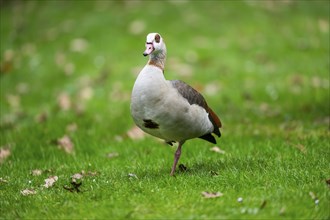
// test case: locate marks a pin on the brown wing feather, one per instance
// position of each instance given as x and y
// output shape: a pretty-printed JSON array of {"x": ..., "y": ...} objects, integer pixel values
[
  {"x": 215, "y": 118},
  {"x": 194, "y": 97}
]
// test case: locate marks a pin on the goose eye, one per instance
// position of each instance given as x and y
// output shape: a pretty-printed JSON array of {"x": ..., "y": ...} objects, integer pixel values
[{"x": 157, "y": 38}]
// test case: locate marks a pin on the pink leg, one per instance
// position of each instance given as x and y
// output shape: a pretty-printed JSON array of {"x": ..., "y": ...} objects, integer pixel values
[{"x": 176, "y": 157}]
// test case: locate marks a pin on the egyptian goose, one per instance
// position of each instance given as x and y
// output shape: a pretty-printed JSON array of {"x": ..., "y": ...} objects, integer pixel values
[{"x": 169, "y": 109}]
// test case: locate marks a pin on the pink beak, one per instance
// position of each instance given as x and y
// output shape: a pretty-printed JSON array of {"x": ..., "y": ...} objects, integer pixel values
[{"x": 149, "y": 49}]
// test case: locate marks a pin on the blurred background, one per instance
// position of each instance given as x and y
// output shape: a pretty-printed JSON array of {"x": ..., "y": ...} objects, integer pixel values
[
  {"x": 67, "y": 68},
  {"x": 263, "y": 66}
]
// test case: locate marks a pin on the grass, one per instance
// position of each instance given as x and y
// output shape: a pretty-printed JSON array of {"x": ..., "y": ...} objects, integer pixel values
[{"x": 263, "y": 66}]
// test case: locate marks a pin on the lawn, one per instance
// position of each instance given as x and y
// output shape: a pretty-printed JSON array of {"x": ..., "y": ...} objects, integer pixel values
[{"x": 69, "y": 148}]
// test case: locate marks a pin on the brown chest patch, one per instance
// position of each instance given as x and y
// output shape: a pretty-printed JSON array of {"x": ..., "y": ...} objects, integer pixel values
[{"x": 148, "y": 123}]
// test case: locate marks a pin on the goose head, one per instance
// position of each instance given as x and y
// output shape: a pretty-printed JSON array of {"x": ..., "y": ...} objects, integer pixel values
[{"x": 154, "y": 44}]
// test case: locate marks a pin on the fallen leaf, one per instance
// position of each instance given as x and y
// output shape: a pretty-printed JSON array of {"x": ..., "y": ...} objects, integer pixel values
[
  {"x": 28, "y": 49},
  {"x": 4, "y": 153},
  {"x": 191, "y": 56},
  {"x": 318, "y": 82},
  {"x": 64, "y": 101},
  {"x": 78, "y": 45},
  {"x": 69, "y": 68},
  {"x": 71, "y": 127},
  {"x": 312, "y": 195},
  {"x": 76, "y": 177},
  {"x": 60, "y": 59},
  {"x": 118, "y": 138},
  {"x": 182, "y": 69},
  {"x": 27, "y": 192},
  {"x": 209, "y": 195},
  {"x": 41, "y": 117},
  {"x": 323, "y": 25},
  {"x": 14, "y": 101},
  {"x": 49, "y": 182},
  {"x": 90, "y": 173},
  {"x": 7, "y": 65},
  {"x": 282, "y": 211},
  {"x": 323, "y": 121},
  {"x": 79, "y": 108},
  {"x": 137, "y": 27},
  {"x": 135, "y": 133},
  {"x": 22, "y": 88},
  {"x": 300, "y": 147},
  {"x": 36, "y": 172},
  {"x": 112, "y": 155},
  {"x": 212, "y": 89},
  {"x": 217, "y": 150},
  {"x": 9, "y": 55},
  {"x": 132, "y": 175},
  {"x": 3, "y": 180},
  {"x": 118, "y": 93},
  {"x": 86, "y": 93},
  {"x": 65, "y": 144}
]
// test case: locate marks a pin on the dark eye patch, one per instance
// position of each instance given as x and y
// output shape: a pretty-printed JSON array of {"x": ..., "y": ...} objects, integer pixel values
[{"x": 157, "y": 38}]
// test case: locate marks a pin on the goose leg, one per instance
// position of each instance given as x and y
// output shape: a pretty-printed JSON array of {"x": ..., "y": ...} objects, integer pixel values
[{"x": 176, "y": 157}]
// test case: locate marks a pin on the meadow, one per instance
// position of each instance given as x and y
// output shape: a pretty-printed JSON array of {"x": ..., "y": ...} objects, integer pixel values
[{"x": 69, "y": 147}]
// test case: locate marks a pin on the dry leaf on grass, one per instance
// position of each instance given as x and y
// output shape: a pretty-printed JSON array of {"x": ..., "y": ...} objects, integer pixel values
[
  {"x": 26, "y": 192},
  {"x": 217, "y": 150},
  {"x": 72, "y": 127},
  {"x": 209, "y": 195},
  {"x": 22, "y": 88},
  {"x": 137, "y": 27},
  {"x": 312, "y": 195},
  {"x": 49, "y": 182},
  {"x": 118, "y": 93},
  {"x": 65, "y": 144},
  {"x": 78, "y": 45},
  {"x": 118, "y": 138},
  {"x": 132, "y": 175},
  {"x": 91, "y": 173},
  {"x": 212, "y": 89},
  {"x": 135, "y": 133},
  {"x": 76, "y": 177},
  {"x": 112, "y": 155},
  {"x": 4, "y": 153},
  {"x": 41, "y": 117},
  {"x": 2, "y": 180},
  {"x": 14, "y": 101},
  {"x": 300, "y": 147},
  {"x": 86, "y": 93},
  {"x": 36, "y": 172},
  {"x": 64, "y": 101}
]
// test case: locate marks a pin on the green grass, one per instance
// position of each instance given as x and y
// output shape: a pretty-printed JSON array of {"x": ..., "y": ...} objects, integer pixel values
[{"x": 263, "y": 66}]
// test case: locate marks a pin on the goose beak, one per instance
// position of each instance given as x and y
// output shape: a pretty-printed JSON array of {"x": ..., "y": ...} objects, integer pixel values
[{"x": 149, "y": 49}]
